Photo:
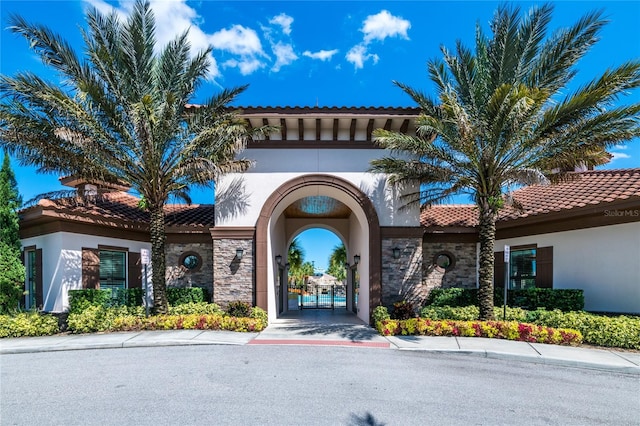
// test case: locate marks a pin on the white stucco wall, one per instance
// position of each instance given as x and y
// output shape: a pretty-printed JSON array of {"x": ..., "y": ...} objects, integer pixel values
[
  {"x": 240, "y": 197},
  {"x": 62, "y": 263},
  {"x": 603, "y": 261}
]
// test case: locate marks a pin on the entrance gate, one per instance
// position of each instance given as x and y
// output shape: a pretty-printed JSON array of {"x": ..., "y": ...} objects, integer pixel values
[{"x": 317, "y": 296}]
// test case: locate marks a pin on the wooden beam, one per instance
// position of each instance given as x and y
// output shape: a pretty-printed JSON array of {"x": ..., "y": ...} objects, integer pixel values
[
  {"x": 369, "y": 129},
  {"x": 335, "y": 129},
  {"x": 387, "y": 125},
  {"x": 283, "y": 129},
  {"x": 265, "y": 122},
  {"x": 352, "y": 130},
  {"x": 318, "y": 128},
  {"x": 301, "y": 129},
  {"x": 405, "y": 126}
]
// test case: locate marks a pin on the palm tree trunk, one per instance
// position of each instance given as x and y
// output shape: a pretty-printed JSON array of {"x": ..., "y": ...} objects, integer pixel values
[
  {"x": 487, "y": 235},
  {"x": 158, "y": 260}
]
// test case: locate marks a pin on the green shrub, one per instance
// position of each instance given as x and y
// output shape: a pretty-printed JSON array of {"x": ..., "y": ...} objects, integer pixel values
[
  {"x": 195, "y": 308},
  {"x": 403, "y": 310},
  {"x": 29, "y": 323},
  {"x": 380, "y": 313},
  {"x": 239, "y": 309},
  {"x": 452, "y": 297},
  {"x": 260, "y": 315},
  {"x": 180, "y": 296},
  {"x": 533, "y": 298},
  {"x": 510, "y": 330},
  {"x": 619, "y": 331},
  {"x": 464, "y": 313},
  {"x": 80, "y": 300}
]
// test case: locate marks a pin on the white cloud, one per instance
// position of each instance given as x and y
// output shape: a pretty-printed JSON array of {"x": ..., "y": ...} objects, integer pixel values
[
  {"x": 173, "y": 17},
  {"x": 284, "y": 55},
  {"x": 619, "y": 155},
  {"x": 237, "y": 40},
  {"x": 246, "y": 65},
  {"x": 323, "y": 55},
  {"x": 243, "y": 42},
  {"x": 358, "y": 55},
  {"x": 377, "y": 28},
  {"x": 621, "y": 147},
  {"x": 284, "y": 21},
  {"x": 383, "y": 25}
]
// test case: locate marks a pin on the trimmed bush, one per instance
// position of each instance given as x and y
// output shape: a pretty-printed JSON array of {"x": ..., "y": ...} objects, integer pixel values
[
  {"x": 471, "y": 313},
  {"x": 380, "y": 313},
  {"x": 618, "y": 331},
  {"x": 195, "y": 308},
  {"x": 180, "y": 296},
  {"x": 403, "y": 310},
  {"x": 239, "y": 309},
  {"x": 28, "y": 324},
  {"x": 533, "y": 298},
  {"x": 510, "y": 330},
  {"x": 204, "y": 316},
  {"x": 80, "y": 300}
]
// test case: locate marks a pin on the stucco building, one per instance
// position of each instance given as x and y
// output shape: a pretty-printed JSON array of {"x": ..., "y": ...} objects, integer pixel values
[{"x": 584, "y": 233}]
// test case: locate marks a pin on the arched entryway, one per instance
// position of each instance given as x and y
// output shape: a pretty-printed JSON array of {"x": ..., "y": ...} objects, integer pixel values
[{"x": 357, "y": 224}]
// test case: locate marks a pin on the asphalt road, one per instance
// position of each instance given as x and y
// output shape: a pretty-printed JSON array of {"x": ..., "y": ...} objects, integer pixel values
[{"x": 304, "y": 385}]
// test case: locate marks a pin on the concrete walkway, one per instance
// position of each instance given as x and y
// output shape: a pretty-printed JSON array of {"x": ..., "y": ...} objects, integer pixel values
[{"x": 337, "y": 328}]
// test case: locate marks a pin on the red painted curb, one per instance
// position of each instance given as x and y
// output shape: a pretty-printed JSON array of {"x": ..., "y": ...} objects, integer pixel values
[{"x": 357, "y": 343}]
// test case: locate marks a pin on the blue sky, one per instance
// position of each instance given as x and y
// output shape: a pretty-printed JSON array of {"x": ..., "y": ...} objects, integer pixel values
[{"x": 331, "y": 53}]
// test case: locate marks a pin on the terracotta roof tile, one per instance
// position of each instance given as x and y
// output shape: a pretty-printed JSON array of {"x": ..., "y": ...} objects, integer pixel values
[
  {"x": 589, "y": 188},
  {"x": 121, "y": 206}
]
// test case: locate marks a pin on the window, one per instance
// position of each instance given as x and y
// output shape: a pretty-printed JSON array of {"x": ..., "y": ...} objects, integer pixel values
[
  {"x": 522, "y": 269},
  {"x": 530, "y": 266},
  {"x": 444, "y": 260},
  {"x": 191, "y": 260},
  {"x": 113, "y": 269}
]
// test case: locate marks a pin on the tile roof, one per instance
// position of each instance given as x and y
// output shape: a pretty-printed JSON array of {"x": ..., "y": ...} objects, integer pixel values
[
  {"x": 584, "y": 189},
  {"x": 121, "y": 206}
]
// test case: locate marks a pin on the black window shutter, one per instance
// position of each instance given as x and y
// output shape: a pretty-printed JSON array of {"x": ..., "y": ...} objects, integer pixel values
[
  {"x": 544, "y": 267},
  {"x": 498, "y": 269}
]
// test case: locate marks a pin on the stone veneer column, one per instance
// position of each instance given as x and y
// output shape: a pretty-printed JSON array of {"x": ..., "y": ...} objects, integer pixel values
[
  {"x": 402, "y": 277},
  {"x": 233, "y": 278},
  {"x": 463, "y": 272}
]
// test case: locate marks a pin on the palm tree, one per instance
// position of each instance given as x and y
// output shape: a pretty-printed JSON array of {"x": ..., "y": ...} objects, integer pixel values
[
  {"x": 295, "y": 258},
  {"x": 336, "y": 262},
  {"x": 501, "y": 119},
  {"x": 122, "y": 115}
]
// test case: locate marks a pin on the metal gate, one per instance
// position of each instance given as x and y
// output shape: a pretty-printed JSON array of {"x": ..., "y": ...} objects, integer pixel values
[{"x": 319, "y": 296}]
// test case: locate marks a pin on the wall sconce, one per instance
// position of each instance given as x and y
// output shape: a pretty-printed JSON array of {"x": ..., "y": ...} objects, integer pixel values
[
  {"x": 396, "y": 252},
  {"x": 279, "y": 260},
  {"x": 356, "y": 259},
  {"x": 239, "y": 252}
]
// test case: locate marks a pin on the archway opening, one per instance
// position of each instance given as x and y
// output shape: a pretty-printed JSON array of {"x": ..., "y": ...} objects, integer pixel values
[
  {"x": 317, "y": 271},
  {"x": 318, "y": 201}
]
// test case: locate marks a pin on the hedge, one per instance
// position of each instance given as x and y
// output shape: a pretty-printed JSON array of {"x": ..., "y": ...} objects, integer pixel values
[
  {"x": 194, "y": 316},
  {"x": 510, "y": 330},
  {"x": 533, "y": 298},
  {"x": 28, "y": 324},
  {"x": 79, "y": 300},
  {"x": 617, "y": 331}
]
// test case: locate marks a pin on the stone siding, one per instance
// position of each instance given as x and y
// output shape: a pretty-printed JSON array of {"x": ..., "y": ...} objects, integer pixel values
[
  {"x": 233, "y": 279},
  {"x": 402, "y": 277},
  {"x": 461, "y": 275},
  {"x": 179, "y": 276}
]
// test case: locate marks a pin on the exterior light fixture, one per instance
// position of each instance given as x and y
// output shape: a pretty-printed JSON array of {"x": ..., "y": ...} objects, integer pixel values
[
  {"x": 239, "y": 252},
  {"x": 356, "y": 259},
  {"x": 396, "y": 252},
  {"x": 279, "y": 260}
]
